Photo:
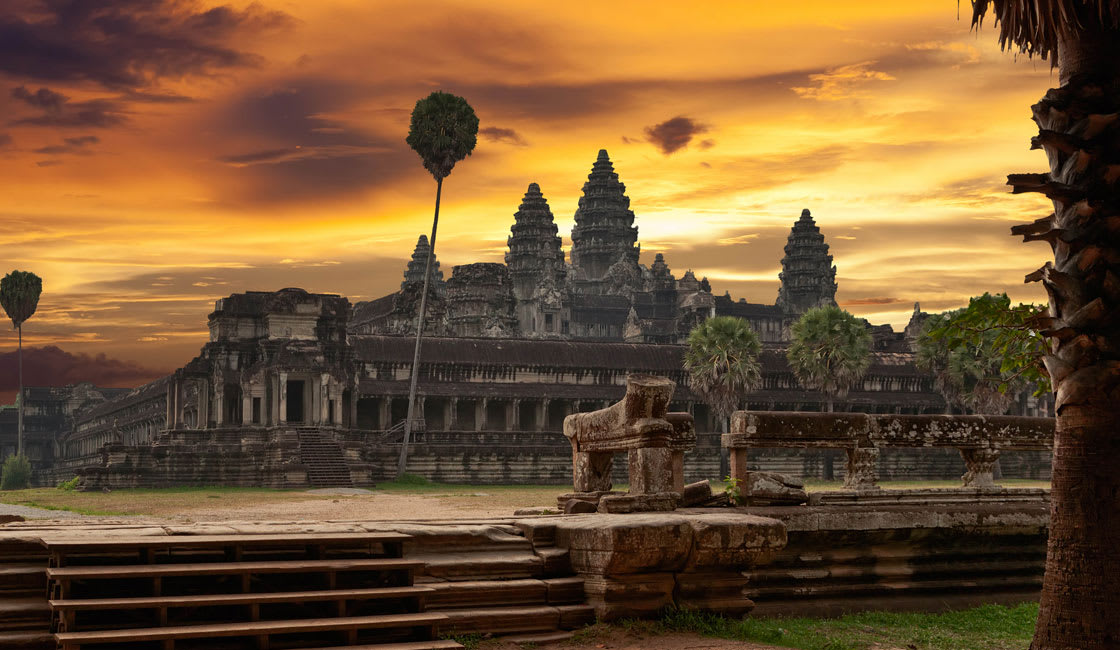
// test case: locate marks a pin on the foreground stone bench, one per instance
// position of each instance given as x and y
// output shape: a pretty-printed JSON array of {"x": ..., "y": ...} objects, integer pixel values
[
  {"x": 979, "y": 438},
  {"x": 654, "y": 440}
]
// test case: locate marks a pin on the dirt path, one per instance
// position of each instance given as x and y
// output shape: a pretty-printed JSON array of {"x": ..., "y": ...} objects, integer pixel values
[{"x": 621, "y": 640}]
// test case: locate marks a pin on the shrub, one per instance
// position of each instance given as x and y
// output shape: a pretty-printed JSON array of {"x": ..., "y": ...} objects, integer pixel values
[
  {"x": 69, "y": 486},
  {"x": 16, "y": 473}
]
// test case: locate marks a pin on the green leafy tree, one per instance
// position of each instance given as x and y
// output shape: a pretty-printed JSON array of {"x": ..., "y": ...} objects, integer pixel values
[
  {"x": 19, "y": 295},
  {"x": 722, "y": 363},
  {"x": 983, "y": 354},
  {"x": 830, "y": 351},
  {"x": 1079, "y": 130},
  {"x": 443, "y": 131},
  {"x": 16, "y": 473}
]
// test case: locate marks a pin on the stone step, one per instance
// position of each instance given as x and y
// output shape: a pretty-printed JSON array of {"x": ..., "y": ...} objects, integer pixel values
[
  {"x": 22, "y": 577},
  {"x": 479, "y": 593},
  {"x": 24, "y": 613},
  {"x": 502, "y": 620},
  {"x": 27, "y": 640},
  {"x": 440, "y": 644},
  {"x": 487, "y": 565},
  {"x": 533, "y": 640}
]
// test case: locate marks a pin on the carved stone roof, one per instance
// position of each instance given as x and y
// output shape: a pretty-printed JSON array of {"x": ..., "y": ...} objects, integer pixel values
[
  {"x": 414, "y": 272},
  {"x": 604, "y": 232},
  {"x": 808, "y": 277}
]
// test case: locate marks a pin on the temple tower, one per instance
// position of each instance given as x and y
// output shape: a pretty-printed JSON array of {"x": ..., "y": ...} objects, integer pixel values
[
  {"x": 534, "y": 247},
  {"x": 415, "y": 270},
  {"x": 604, "y": 232},
  {"x": 480, "y": 301},
  {"x": 808, "y": 277}
]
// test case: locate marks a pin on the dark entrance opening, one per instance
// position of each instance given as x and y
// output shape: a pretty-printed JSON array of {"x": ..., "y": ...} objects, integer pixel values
[
  {"x": 295, "y": 400},
  {"x": 231, "y": 404}
]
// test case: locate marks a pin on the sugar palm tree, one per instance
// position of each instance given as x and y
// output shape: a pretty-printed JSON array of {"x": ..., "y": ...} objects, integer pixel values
[
  {"x": 722, "y": 366},
  {"x": 19, "y": 295},
  {"x": 443, "y": 131},
  {"x": 1079, "y": 129},
  {"x": 830, "y": 351}
]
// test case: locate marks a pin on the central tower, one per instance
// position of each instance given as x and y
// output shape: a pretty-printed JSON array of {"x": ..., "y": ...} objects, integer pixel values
[{"x": 604, "y": 232}]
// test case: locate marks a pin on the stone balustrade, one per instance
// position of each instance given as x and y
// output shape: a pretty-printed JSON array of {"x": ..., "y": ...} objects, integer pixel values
[{"x": 979, "y": 438}]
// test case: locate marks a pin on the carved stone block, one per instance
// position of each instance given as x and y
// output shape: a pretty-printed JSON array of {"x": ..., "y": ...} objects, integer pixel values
[
  {"x": 979, "y": 464},
  {"x": 651, "y": 470},
  {"x": 863, "y": 468}
]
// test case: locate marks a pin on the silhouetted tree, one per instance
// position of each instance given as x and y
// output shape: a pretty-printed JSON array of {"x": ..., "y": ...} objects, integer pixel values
[
  {"x": 830, "y": 351},
  {"x": 443, "y": 131},
  {"x": 19, "y": 295}
]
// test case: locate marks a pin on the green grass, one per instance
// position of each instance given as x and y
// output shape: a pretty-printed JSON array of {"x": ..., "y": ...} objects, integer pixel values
[{"x": 988, "y": 627}]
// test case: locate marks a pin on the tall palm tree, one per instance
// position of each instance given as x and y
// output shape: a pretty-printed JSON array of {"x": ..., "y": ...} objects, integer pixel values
[
  {"x": 830, "y": 351},
  {"x": 1079, "y": 129},
  {"x": 19, "y": 295},
  {"x": 722, "y": 366},
  {"x": 443, "y": 131}
]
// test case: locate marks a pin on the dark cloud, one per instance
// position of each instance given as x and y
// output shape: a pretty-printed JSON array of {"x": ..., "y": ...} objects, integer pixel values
[
  {"x": 126, "y": 44},
  {"x": 44, "y": 98},
  {"x": 674, "y": 134},
  {"x": 53, "y": 366},
  {"x": 71, "y": 145},
  {"x": 498, "y": 134},
  {"x": 875, "y": 300},
  {"x": 48, "y": 163},
  {"x": 57, "y": 110},
  {"x": 706, "y": 144}
]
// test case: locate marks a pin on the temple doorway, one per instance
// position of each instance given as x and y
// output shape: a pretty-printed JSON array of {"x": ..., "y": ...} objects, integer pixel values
[{"x": 295, "y": 400}]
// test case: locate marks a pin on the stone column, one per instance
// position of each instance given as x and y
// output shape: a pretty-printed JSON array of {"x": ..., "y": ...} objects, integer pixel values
[
  {"x": 448, "y": 410},
  {"x": 384, "y": 412},
  {"x": 542, "y": 414},
  {"x": 453, "y": 419},
  {"x": 651, "y": 470},
  {"x": 219, "y": 405},
  {"x": 591, "y": 471},
  {"x": 203, "y": 405},
  {"x": 979, "y": 463},
  {"x": 863, "y": 468},
  {"x": 322, "y": 397},
  {"x": 513, "y": 415},
  {"x": 247, "y": 404},
  {"x": 283, "y": 401},
  {"x": 419, "y": 413},
  {"x": 480, "y": 419}
]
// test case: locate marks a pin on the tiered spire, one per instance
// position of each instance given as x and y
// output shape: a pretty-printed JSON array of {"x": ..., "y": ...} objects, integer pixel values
[
  {"x": 534, "y": 247},
  {"x": 604, "y": 232},
  {"x": 808, "y": 276},
  {"x": 415, "y": 270}
]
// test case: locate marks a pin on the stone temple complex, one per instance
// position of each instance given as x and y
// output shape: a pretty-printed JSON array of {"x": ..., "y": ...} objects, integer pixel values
[{"x": 296, "y": 388}]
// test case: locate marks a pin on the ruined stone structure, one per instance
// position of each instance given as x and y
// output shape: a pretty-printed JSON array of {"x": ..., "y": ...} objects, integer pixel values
[{"x": 295, "y": 388}]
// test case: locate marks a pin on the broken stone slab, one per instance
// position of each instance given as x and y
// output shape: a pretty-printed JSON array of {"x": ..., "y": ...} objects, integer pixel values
[
  {"x": 591, "y": 497},
  {"x": 727, "y": 539},
  {"x": 626, "y": 503},
  {"x": 579, "y": 506},
  {"x": 771, "y": 488},
  {"x": 696, "y": 493}
]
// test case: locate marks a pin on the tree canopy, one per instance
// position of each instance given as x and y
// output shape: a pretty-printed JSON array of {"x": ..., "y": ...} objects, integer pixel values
[
  {"x": 443, "y": 131},
  {"x": 19, "y": 295},
  {"x": 1034, "y": 26},
  {"x": 982, "y": 354},
  {"x": 830, "y": 351},
  {"x": 722, "y": 362}
]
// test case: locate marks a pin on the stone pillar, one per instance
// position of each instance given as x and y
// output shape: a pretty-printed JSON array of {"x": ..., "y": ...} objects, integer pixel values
[
  {"x": 591, "y": 471},
  {"x": 203, "y": 405},
  {"x": 513, "y": 415},
  {"x": 453, "y": 421},
  {"x": 384, "y": 412},
  {"x": 323, "y": 397},
  {"x": 651, "y": 470},
  {"x": 542, "y": 414},
  {"x": 739, "y": 464},
  {"x": 979, "y": 463},
  {"x": 247, "y": 404},
  {"x": 863, "y": 469},
  {"x": 480, "y": 419},
  {"x": 418, "y": 414},
  {"x": 219, "y": 405},
  {"x": 283, "y": 401},
  {"x": 448, "y": 412}
]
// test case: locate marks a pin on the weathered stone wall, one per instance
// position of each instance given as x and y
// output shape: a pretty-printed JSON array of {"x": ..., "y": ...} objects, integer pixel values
[{"x": 545, "y": 458}]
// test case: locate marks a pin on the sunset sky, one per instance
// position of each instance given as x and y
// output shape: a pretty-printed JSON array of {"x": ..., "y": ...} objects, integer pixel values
[{"x": 160, "y": 154}]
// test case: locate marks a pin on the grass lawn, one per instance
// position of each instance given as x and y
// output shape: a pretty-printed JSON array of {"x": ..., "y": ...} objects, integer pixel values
[
  {"x": 988, "y": 627},
  {"x": 451, "y": 498}
]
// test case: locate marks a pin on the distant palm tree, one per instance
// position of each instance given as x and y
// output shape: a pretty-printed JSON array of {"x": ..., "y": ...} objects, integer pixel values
[
  {"x": 1078, "y": 129},
  {"x": 19, "y": 295},
  {"x": 722, "y": 366},
  {"x": 830, "y": 351},
  {"x": 443, "y": 131}
]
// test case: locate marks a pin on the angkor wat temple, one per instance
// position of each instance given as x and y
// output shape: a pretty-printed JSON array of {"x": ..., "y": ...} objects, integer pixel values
[{"x": 295, "y": 388}]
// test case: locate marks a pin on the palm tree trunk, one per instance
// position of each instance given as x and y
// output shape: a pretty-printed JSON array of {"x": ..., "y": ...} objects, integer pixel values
[
  {"x": 1080, "y": 131},
  {"x": 19, "y": 426},
  {"x": 414, "y": 371}
]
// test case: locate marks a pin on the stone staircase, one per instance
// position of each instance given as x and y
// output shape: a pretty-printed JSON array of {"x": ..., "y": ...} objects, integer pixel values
[
  {"x": 24, "y": 612},
  {"x": 323, "y": 458},
  {"x": 494, "y": 579}
]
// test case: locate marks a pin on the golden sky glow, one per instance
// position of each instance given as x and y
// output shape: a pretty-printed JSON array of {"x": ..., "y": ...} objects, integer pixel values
[{"x": 264, "y": 148}]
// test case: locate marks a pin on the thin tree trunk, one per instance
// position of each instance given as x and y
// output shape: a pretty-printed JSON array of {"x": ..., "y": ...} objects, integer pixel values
[
  {"x": 414, "y": 371},
  {"x": 1080, "y": 131},
  {"x": 19, "y": 426}
]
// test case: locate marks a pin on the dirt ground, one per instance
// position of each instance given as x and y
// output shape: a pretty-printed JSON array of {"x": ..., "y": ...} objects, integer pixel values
[{"x": 624, "y": 640}]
